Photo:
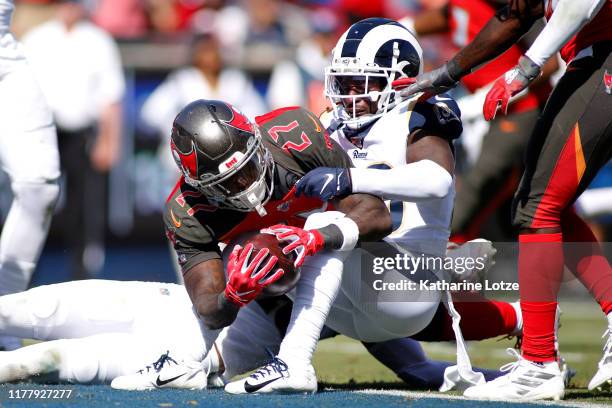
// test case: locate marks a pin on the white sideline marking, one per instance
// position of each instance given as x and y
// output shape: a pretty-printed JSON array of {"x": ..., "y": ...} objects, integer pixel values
[{"x": 433, "y": 395}]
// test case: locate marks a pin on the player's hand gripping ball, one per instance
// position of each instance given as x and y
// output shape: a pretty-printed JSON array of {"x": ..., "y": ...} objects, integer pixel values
[{"x": 260, "y": 241}]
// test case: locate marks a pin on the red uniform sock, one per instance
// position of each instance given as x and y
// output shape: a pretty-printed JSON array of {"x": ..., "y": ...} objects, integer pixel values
[
  {"x": 540, "y": 274},
  {"x": 586, "y": 260}
]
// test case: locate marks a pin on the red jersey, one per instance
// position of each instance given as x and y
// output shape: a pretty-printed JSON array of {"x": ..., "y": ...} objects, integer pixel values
[
  {"x": 597, "y": 30},
  {"x": 466, "y": 19}
]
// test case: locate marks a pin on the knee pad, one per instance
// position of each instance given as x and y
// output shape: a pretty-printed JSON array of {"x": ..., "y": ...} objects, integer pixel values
[
  {"x": 36, "y": 196},
  {"x": 33, "y": 313}
]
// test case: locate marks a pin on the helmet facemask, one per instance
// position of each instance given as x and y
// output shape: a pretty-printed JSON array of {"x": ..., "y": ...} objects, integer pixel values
[
  {"x": 376, "y": 86},
  {"x": 244, "y": 182}
]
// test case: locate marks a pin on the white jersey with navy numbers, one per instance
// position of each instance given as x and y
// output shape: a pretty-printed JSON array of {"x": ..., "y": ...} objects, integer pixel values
[{"x": 422, "y": 227}]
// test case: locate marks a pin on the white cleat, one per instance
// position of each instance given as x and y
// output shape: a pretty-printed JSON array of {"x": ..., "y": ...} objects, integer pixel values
[
  {"x": 526, "y": 381},
  {"x": 602, "y": 380},
  {"x": 475, "y": 249},
  {"x": 164, "y": 373},
  {"x": 276, "y": 377}
]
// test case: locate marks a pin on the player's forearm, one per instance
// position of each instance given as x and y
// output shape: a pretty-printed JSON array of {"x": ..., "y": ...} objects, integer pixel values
[
  {"x": 500, "y": 33},
  {"x": 369, "y": 214},
  {"x": 205, "y": 284},
  {"x": 419, "y": 181},
  {"x": 568, "y": 18}
]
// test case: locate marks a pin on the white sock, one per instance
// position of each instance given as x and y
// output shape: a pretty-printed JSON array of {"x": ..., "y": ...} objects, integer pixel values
[
  {"x": 211, "y": 363},
  {"x": 316, "y": 291},
  {"x": 209, "y": 337},
  {"x": 245, "y": 344}
]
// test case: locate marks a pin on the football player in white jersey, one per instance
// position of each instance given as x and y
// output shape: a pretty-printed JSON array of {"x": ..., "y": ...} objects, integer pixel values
[{"x": 28, "y": 154}]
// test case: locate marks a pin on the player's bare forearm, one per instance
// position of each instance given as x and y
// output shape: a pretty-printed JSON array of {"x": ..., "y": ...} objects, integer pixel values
[
  {"x": 205, "y": 284},
  {"x": 500, "y": 33},
  {"x": 369, "y": 213}
]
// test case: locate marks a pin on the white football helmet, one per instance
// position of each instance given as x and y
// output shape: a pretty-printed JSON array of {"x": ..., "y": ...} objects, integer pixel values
[{"x": 374, "y": 50}]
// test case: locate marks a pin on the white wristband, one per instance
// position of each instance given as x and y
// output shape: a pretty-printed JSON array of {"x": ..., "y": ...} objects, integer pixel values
[{"x": 350, "y": 233}]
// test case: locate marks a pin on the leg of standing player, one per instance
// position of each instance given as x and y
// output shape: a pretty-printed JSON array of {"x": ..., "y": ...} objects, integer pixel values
[
  {"x": 571, "y": 141},
  {"x": 28, "y": 153}
]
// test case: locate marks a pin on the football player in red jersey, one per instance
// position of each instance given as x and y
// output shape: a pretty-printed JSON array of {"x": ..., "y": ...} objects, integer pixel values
[
  {"x": 238, "y": 177},
  {"x": 490, "y": 181},
  {"x": 572, "y": 140}
]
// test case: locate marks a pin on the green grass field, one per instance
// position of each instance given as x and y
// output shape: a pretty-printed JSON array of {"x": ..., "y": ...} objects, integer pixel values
[{"x": 340, "y": 360}]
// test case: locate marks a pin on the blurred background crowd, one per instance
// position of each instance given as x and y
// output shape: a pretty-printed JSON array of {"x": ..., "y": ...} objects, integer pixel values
[{"x": 115, "y": 72}]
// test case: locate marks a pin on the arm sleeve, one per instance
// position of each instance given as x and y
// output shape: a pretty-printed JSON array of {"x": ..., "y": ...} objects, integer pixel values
[
  {"x": 420, "y": 181},
  {"x": 567, "y": 19}
]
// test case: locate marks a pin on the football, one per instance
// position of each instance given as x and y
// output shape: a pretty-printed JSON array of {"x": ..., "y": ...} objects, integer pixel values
[{"x": 260, "y": 241}]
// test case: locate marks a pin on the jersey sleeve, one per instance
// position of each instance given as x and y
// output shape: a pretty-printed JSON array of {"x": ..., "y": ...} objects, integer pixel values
[
  {"x": 299, "y": 141},
  {"x": 192, "y": 240},
  {"x": 439, "y": 115}
]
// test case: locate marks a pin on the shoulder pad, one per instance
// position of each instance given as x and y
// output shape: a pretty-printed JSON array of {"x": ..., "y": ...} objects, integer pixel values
[{"x": 439, "y": 114}]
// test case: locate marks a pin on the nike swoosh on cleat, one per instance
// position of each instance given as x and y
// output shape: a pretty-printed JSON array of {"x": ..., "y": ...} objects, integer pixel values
[
  {"x": 159, "y": 382},
  {"x": 253, "y": 388}
]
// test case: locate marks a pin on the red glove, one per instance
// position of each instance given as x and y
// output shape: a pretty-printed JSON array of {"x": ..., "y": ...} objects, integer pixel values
[
  {"x": 508, "y": 85},
  {"x": 302, "y": 242},
  {"x": 247, "y": 279}
]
